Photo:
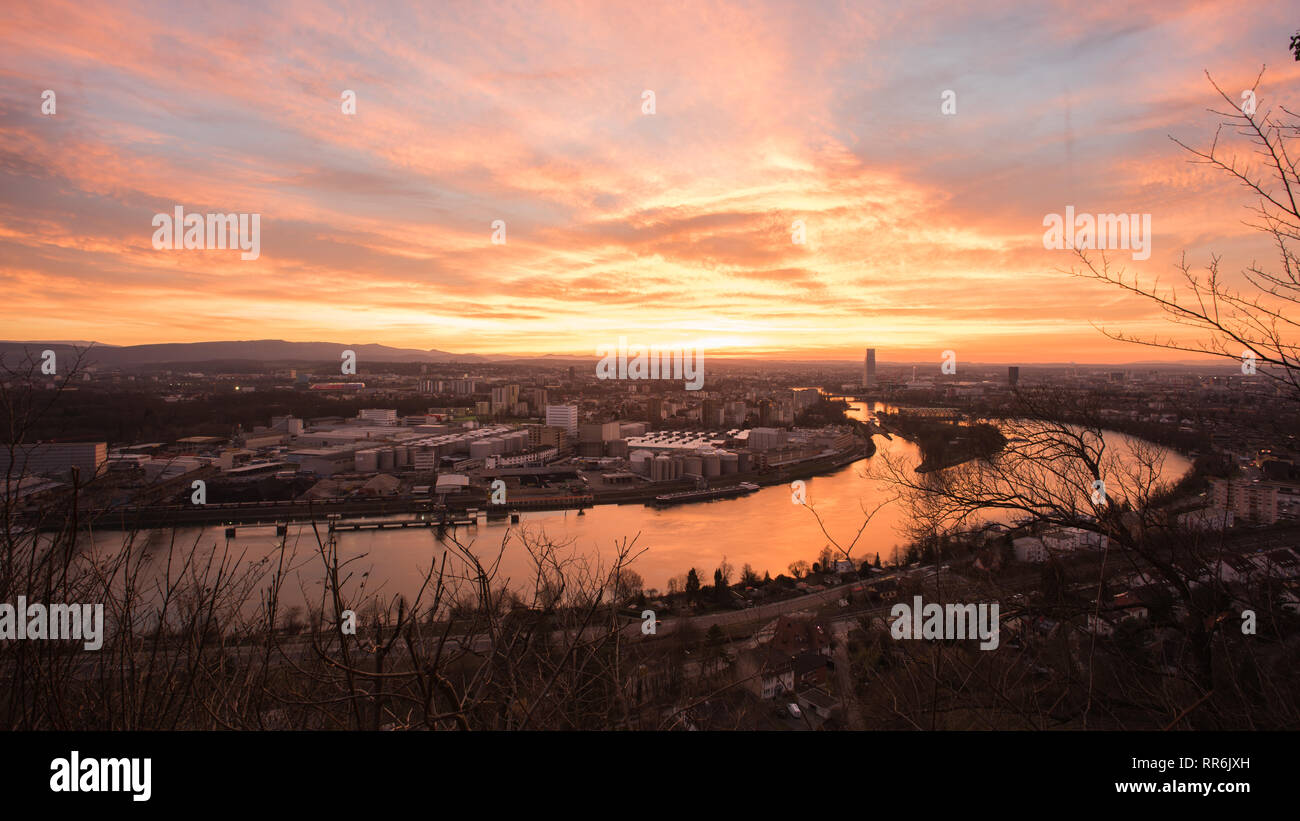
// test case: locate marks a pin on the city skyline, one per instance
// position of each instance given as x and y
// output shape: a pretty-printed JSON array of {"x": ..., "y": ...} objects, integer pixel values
[{"x": 922, "y": 228}]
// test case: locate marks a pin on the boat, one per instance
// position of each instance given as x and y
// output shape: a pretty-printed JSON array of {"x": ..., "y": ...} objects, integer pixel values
[{"x": 706, "y": 495}]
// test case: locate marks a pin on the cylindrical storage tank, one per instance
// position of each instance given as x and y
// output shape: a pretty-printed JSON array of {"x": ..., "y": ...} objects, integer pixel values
[
  {"x": 661, "y": 468},
  {"x": 677, "y": 467},
  {"x": 641, "y": 460},
  {"x": 693, "y": 466},
  {"x": 386, "y": 459},
  {"x": 480, "y": 450},
  {"x": 366, "y": 461},
  {"x": 730, "y": 463},
  {"x": 712, "y": 464},
  {"x": 742, "y": 461}
]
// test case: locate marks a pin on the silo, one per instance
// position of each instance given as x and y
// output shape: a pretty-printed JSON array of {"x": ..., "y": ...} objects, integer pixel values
[
  {"x": 730, "y": 463},
  {"x": 641, "y": 460},
  {"x": 742, "y": 461},
  {"x": 366, "y": 461},
  {"x": 480, "y": 449},
  {"x": 712, "y": 464},
  {"x": 661, "y": 469},
  {"x": 385, "y": 458},
  {"x": 693, "y": 466}
]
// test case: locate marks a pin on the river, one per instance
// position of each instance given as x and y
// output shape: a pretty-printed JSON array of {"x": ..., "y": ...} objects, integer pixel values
[{"x": 765, "y": 530}]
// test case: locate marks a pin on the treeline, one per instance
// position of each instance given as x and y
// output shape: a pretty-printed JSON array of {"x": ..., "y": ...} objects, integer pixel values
[
  {"x": 944, "y": 444},
  {"x": 825, "y": 412}
]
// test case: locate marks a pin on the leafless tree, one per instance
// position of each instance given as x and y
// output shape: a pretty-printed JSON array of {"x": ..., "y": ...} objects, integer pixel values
[
  {"x": 199, "y": 634},
  {"x": 1256, "y": 316}
]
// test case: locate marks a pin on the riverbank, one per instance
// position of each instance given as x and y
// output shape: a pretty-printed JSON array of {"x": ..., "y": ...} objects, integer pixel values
[{"x": 239, "y": 513}]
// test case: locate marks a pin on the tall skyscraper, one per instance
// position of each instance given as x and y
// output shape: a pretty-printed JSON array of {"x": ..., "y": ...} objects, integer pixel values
[
  {"x": 1013, "y": 375},
  {"x": 869, "y": 369}
]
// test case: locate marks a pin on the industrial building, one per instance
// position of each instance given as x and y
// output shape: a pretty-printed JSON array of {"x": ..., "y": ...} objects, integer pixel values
[{"x": 56, "y": 459}]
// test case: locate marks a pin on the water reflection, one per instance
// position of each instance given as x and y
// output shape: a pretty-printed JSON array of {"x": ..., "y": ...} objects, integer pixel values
[{"x": 764, "y": 530}]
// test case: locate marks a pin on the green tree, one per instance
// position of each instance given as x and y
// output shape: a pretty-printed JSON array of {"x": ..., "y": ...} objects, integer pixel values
[{"x": 692, "y": 586}]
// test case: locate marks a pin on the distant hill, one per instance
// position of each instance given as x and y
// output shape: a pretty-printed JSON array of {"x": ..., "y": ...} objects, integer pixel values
[
  {"x": 278, "y": 350},
  {"x": 258, "y": 350}
]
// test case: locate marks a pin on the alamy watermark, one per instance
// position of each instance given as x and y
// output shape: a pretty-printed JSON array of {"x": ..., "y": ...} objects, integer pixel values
[
  {"x": 946, "y": 621},
  {"x": 207, "y": 231},
  {"x": 84, "y": 622},
  {"x": 77, "y": 774},
  {"x": 651, "y": 362},
  {"x": 1101, "y": 232}
]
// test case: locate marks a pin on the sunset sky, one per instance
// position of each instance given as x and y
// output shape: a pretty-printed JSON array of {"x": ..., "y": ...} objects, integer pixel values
[{"x": 924, "y": 230}]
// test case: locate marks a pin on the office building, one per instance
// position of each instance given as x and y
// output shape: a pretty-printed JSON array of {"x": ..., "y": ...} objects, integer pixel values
[
  {"x": 563, "y": 416},
  {"x": 711, "y": 415},
  {"x": 1252, "y": 501},
  {"x": 543, "y": 436},
  {"x": 505, "y": 398},
  {"x": 378, "y": 416}
]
